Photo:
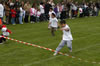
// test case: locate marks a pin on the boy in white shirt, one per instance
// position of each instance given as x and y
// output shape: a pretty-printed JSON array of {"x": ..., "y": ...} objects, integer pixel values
[
  {"x": 53, "y": 24},
  {"x": 67, "y": 37}
]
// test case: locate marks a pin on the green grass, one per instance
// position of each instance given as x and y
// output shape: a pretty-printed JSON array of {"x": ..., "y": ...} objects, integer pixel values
[{"x": 86, "y": 44}]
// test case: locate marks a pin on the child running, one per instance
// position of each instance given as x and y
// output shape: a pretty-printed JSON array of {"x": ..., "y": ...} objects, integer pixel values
[
  {"x": 5, "y": 32},
  {"x": 53, "y": 24},
  {"x": 67, "y": 37}
]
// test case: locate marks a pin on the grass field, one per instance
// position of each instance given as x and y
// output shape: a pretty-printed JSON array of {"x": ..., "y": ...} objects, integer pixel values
[{"x": 86, "y": 44}]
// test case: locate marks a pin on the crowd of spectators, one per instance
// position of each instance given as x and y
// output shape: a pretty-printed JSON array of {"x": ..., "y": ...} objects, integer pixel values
[{"x": 19, "y": 11}]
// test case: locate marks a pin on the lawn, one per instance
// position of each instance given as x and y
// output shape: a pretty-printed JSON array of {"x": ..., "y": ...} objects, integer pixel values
[{"x": 86, "y": 44}]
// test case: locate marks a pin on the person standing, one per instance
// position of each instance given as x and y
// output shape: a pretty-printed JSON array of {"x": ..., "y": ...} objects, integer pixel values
[
  {"x": 42, "y": 17},
  {"x": 7, "y": 12},
  {"x": 38, "y": 15},
  {"x": 1, "y": 11},
  {"x": 98, "y": 7},
  {"x": 67, "y": 37},
  {"x": 21, "y": 15},
  {"x": 47, "y": 8},
  {"x": 13, "y": 15},
  {"x": 27, "y": 7},
  {"x": 17, "y": 6},
  {"x": 33, "y": 12}
]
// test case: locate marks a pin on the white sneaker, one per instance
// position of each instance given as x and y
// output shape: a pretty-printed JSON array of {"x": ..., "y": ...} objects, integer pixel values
[
  {"x": 1, "y": 43},
  {"x": 55, "y": 54}
]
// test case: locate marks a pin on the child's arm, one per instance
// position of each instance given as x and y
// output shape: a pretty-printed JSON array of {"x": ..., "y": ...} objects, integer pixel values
[
  {"x": 9, "y": 31},
  {"x": 66, "y": 29}
]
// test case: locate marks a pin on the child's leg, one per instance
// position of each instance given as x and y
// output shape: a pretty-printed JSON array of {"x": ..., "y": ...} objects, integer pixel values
[
  {"x": 1, "y": 40},
  {"x": 52, "y": 31},
  {"x": 69, "y": 45},
  {"x": 61, "y": 45},
  {"x": 49, "y": 26},
  {"x": 34, "y": 19}
]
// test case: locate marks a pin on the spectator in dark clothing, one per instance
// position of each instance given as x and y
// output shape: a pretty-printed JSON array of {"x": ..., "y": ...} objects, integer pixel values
[
  {"x": 98, "y": 7},
  {"x": 27, "y": 7},
  {"x": 68, "y": 5},
  {"x": 64, "y": 11},
  {"x": 47, "y": 8},
  {"x": 17, "y": 6},
  {"x": 7, "y": 12}
]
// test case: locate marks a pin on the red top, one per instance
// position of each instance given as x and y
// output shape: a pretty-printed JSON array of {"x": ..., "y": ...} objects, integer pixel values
[
  {"x": 13, "y": 13},
  {"x": 4, "y": 26}
]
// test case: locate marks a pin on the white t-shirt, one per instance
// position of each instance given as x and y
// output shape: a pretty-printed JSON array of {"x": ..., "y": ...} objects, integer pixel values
[
  {"x": 21, "y": 11},
  {"x": 42, "y": 9},
  {"x": 38, "y": 13},
  {"x": 33, "y": 11},
  {"x": 5, "y": 33},
  {"x": 54, "y": 22},
  {"x": 1, "y": 10},
  {"x": 80, "y": 10},
  {"x": 74, "y": 7},
  {"x": 67, "y": 34},
  {"x": 50, "y": 14}
]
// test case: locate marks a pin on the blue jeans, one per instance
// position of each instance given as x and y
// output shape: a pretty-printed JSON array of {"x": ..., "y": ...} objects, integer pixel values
[
  {"x": 64, "y": 42},
  {"x": 20, "y": 19},
  {"x": 13, "y": 20}
]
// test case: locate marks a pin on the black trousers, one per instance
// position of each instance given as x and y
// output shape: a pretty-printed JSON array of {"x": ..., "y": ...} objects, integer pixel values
[
  {"x": 26, "y": 18},
  {"x": 2, "y": 39},
  {"x": 63, "y": 15},
  {"x": 17, "y": 20},
  {"x": 42, "y": 17},
  {"x": 81, "y": 15},
  {"x": 32, "y": 18},
  {"x": 7, "y": 20}
]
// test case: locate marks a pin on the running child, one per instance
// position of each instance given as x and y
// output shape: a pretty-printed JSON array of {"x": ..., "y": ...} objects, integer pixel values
[
  {"x": 53, "y": 24},
  {"x": 67, "y": 37},
  {"x": 5, "y": 33}
]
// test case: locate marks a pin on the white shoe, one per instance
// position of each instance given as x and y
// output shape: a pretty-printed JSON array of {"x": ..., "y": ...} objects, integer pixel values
[
  {"x": 55, "y": 54},
  {"x": 1, "y": 43}
]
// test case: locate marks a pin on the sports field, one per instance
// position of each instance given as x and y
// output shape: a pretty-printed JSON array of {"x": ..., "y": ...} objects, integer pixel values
[{"x": 86, "y": 44}]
